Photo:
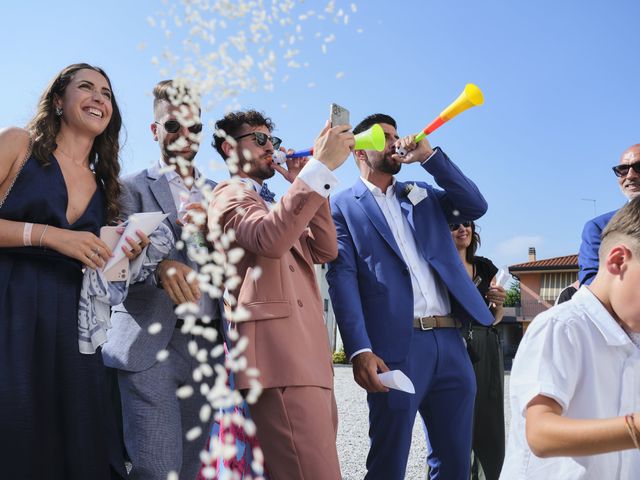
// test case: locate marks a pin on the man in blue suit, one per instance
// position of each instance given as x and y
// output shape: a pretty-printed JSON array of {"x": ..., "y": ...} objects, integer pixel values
[
  {"x": 628, "y": 173},
  {"x": 400, "y": 294}
]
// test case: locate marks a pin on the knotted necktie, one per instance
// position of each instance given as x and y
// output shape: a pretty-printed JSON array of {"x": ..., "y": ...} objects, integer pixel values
[{"x": 266, "y": 194}]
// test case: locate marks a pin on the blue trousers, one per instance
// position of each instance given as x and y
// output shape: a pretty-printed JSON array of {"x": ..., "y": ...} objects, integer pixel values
[{"x": 439, "y": 367}]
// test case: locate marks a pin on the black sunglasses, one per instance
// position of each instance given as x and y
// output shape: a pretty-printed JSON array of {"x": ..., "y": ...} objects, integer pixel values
[
  {"x": 262, "y": 138},
  {"x": 623, "y": 169},
  {"x": 455, "y": 226},
  {"x": 174, "y": 126}
]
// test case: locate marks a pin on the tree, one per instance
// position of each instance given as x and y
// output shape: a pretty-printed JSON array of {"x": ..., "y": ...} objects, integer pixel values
[{"x": 513, "y": 295}]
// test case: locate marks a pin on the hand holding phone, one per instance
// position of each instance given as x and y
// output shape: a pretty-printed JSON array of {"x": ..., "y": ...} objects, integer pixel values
[
  {"x": 339, "y": 115},
  {"x": 120, "y": 271}
]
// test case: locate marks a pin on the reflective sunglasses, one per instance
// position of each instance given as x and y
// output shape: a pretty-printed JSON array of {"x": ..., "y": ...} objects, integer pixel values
[
  {"x": 174, "y": 126},
  {"x": 262, "y": 138},
  {"x": 623, "y": 170},
  {"x": 455, "y": 226}
]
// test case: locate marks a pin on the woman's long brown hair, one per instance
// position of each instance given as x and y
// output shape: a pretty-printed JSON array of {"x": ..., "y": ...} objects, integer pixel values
[{"x": 103, "y": 158}]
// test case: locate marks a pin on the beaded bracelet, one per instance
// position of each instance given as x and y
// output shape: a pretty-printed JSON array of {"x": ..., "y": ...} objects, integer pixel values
[
  {"x": 631, "y": 428},
  {"x": 26, "y": 234}
]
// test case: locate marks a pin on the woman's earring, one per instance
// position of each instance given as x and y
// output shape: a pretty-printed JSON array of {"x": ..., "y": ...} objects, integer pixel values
[{"x": 59, "y": 111}]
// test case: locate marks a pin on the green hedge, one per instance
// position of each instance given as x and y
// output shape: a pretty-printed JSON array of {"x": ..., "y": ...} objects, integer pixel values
[{"x": 340, "y": 357}]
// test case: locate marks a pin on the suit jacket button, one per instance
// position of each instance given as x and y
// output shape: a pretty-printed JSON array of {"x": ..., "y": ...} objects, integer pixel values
[
  {"x": 299, "y": 303},
  {"x": 291, "y": 268}
]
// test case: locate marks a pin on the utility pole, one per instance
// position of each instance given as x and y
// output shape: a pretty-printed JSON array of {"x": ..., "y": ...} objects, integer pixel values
[{"x": 594, "y": 204}]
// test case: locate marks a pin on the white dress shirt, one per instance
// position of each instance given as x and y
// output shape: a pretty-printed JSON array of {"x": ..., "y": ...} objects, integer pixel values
[
  {"x": 430, "y": 297},
  {"x": 576, "y": 354},
  {"x": 180, "y": 191}
]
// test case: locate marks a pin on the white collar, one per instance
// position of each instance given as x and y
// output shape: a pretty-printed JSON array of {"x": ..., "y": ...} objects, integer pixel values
[
  {"x": 377, "y": 191},
  {"x": 172, "y": 175},
  {"x": 598, "y": 315}
]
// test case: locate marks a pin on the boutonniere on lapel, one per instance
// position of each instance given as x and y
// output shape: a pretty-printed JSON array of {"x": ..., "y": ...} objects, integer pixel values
[{"x": 414, "y": 193}]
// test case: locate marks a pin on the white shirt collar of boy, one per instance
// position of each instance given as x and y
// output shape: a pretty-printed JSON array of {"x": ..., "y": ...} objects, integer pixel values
[{"x": 613, "y": 333}]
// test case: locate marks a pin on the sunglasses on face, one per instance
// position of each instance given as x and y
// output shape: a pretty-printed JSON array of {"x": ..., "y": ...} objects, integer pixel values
[
  {"x": 623, "y": 169},
  {"x": 174, "y": 126},
  {"x": 262, "y": 138},
  {"x": 455, "y": 226}
]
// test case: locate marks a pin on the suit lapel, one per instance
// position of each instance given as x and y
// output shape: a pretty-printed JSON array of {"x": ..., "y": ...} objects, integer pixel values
[
  {"x": 371, "y": 208},
  {"x": 409, "y": 211},
  {"x": 162, "y": 192},
  {"x": 405, "y": 204}
]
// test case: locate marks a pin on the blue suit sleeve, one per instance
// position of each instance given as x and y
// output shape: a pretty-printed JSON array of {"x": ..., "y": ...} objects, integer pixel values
[
  {"x": 343, "y": 289},
  {"x": 588, "y": 256},
  {"x": 459, "y": 198}
]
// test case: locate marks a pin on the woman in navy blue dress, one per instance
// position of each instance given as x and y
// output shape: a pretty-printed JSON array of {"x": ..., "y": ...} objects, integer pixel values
[{"x": 58, "y": 186}]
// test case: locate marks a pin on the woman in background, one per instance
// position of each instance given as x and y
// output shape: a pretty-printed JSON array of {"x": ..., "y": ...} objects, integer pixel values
[{"x": 486, "y": 354}]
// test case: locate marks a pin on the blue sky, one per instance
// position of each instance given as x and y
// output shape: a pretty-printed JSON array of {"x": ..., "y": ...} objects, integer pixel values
[{"x": 558, "y": 77}]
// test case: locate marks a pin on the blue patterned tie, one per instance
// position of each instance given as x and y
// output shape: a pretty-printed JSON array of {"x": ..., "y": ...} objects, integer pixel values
[{"x": 266, "y": 194}]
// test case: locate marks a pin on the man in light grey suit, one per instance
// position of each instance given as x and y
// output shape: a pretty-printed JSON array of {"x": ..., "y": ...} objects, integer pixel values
[{"x": 155, "y": 418}]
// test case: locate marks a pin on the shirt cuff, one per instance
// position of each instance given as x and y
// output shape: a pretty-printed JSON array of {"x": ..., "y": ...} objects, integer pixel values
[
  {"x": 359, "y": 351},
  {"x": 318, "y": 177},
  {"x": 432, "y": 154}
]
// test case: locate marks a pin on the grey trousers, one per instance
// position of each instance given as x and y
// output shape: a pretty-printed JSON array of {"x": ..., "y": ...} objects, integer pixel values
[{"x": 156, "y": 420}]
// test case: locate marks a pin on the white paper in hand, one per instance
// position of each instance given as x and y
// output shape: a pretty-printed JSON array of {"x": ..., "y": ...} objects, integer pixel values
[
  {"x": 145, "y": 221},
  {"x": 503, "y": 278},
  {"x": 397, "y": 380}
]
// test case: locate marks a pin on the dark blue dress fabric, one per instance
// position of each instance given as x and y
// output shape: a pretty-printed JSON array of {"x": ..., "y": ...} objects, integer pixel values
[{"x": 56, "y": 421}]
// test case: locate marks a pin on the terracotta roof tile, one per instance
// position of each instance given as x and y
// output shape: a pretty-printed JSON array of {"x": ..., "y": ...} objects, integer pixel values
[{"x": 568, "y": 262}]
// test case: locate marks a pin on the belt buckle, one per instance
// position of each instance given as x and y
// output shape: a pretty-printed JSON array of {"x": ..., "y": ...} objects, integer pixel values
[{"x": 422, "y": 327}]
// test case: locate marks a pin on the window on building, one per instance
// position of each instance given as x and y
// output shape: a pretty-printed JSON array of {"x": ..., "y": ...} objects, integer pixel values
[{"x": 554, "y": 283}]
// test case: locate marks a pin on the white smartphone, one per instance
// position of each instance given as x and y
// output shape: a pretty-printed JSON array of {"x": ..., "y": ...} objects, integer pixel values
[
  {"x": 339, "y": 115},
  {"x": 120, "y": 271}
]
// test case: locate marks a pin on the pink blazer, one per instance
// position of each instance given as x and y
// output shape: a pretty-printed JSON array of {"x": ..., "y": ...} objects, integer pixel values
[{"x": 288, "y": 341}]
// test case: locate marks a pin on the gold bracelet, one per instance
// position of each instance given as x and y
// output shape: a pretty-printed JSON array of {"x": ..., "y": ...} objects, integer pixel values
[{"x": 631, "y": 428}]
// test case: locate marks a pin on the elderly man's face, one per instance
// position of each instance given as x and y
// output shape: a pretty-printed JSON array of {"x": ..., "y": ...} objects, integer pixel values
[{"x": 630, "y": 183}]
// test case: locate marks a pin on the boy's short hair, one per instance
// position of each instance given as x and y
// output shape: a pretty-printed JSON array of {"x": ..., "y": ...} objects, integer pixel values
[
  {"x": 623, "y": 227},
  {"x": 232, "y": 123}
]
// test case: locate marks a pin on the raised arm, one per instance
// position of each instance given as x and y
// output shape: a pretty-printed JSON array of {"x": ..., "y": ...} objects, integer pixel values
[
  {"x": 269, "y": 233},
  {"x": 460, "y": 198}
]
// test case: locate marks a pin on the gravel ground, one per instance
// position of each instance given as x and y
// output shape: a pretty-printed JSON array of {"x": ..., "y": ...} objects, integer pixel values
[{"x": 353, "y": 439}]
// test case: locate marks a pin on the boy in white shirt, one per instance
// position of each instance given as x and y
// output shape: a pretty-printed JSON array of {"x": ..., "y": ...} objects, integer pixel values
[{"x": 575, "y": 382}]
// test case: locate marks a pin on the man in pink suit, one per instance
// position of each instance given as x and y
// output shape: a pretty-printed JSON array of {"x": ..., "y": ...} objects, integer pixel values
[{"x": 296, "y": 413}]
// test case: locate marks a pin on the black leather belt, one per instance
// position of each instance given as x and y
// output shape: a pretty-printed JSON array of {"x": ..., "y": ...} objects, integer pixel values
[{"x": 436, "y": 321}]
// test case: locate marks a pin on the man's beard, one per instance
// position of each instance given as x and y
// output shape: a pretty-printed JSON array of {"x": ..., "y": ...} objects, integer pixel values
[
  {"x": 263, "y": 172},
  {"x": 387, "y": 165},
  {"x": 173, "y": 156},
  {"x": 259, "y": 169}
]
